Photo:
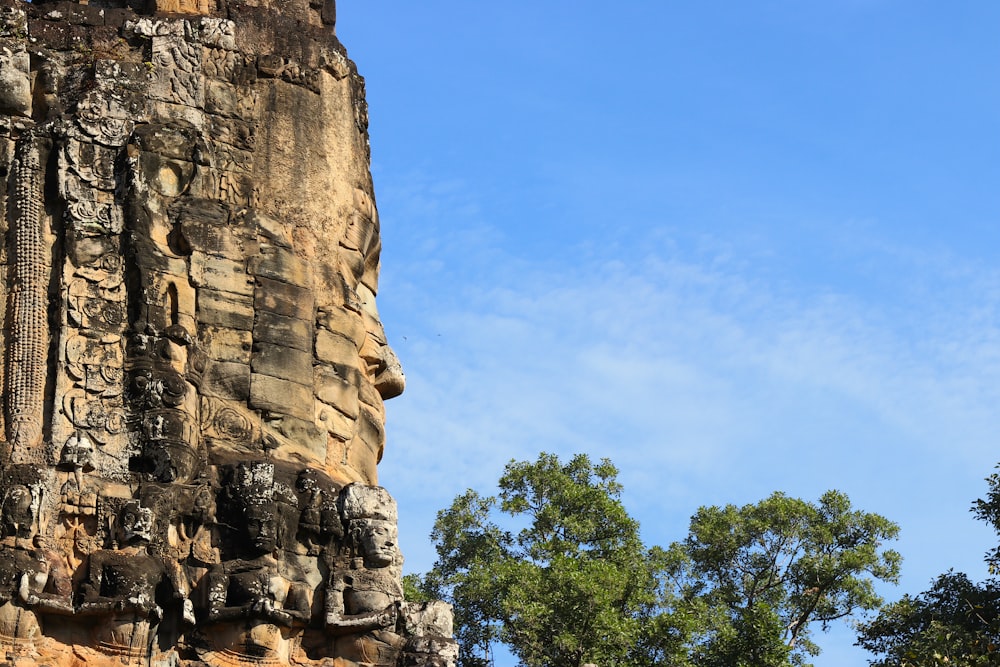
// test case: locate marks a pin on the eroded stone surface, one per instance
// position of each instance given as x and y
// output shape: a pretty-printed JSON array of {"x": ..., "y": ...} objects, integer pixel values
[{"x": 193, "y": 365}]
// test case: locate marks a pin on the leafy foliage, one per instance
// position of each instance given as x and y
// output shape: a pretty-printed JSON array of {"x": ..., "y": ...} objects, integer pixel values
[
  {"x": 988, "y": 510},
  {"x": 571, "y": 586},
  {"x": 768, "y": 571},
  {"x": 553, "y": 567},
  {"x": 956, "y": 622}
]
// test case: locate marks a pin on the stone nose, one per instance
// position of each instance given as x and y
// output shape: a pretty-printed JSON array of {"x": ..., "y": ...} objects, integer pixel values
[{"x": 389, "y": 379}]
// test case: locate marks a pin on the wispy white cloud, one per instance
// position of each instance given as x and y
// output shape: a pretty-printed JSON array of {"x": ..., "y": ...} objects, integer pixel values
[{"x": 703, "y": 375}]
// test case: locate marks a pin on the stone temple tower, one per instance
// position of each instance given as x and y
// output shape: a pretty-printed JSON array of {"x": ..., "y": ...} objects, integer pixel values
[{"x": 193, "y": 367}]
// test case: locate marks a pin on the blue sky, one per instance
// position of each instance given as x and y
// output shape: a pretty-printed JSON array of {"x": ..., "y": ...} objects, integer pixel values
[{"x": 735, "y": 247}]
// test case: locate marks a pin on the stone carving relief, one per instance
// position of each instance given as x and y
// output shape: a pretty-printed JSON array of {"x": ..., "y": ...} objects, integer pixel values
[
  {"x": 29, "y": 333},
  {"x": 364, "y": 596},
  {"x": 193, "y": 367},
  {"x": 124, "y": 590},
  {"x": 256, "y": 596},
  {"x": 33, "y": 580}
]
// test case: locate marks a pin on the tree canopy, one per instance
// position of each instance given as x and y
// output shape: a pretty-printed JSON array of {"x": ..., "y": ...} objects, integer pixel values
[
  {"x": 553, "y": 567},
  {"x": 569, "y": 587},
  {"x": 772, "y": 570},
  {"x": 954, "y": 623}
]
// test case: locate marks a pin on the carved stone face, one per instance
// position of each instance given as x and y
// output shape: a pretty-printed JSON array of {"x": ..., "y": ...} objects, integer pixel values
[
  {"x": 378, "y": 540},
  {"x": 190, "y": 251},
  {"x": 135, "y": 524},
  {"x": 274, "y": 277},
  {"x": 18, "y": 513},
  {"x": 262, "y": 527},
  {"x": 381, "y": 363}
]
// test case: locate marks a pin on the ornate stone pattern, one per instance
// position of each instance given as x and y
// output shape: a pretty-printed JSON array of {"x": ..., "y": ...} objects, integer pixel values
[
  {"x": 194, "y": 369},
  {"x": 29, "y": 307}
]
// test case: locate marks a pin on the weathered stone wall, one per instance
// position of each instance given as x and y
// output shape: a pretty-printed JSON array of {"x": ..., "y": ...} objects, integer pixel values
[{"x": 193, "y": 366}]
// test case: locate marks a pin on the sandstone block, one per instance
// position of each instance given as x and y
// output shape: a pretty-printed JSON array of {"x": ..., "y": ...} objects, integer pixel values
[
  {"x": 283, "y": 265},
  {"x": 213, "y": 240},
  {"x": 368, "y": 394},
  {"x": 271, "y": 229},
  {"x": 336, "y": 423},
  {"x": 335, "y": 349},
  {"x": 225, "y": 309},
  {"x": 226, "y": 380},
  {"x": 223, "y": 344},
  {"x": 347, "y": 323},
  {"x": 287, "y": 331},
  {"x": 337, "y": 386},
  {"x": 203, "y": 211},
  {"x": 282, "y": 362},
  {"x": 281, "y": 298},
  {"x": 371, "y": 429},
  {"x": 219, "y": 274},
  {"x": 368, "y": 502},
  {"x": 361, "y": 454},
  {"x": 300, "y": 439},
  {"x": 280, "y": 396}
]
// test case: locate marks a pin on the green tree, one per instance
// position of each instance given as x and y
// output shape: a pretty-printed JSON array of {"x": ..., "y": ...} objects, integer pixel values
[
  {"x": 955, "y": 623},
  {"x": 572, "y": 586},
  {"x": 988, "y": 509},
  {"x": 764, "y": 574},
  {"x": 554, "y": 568}
]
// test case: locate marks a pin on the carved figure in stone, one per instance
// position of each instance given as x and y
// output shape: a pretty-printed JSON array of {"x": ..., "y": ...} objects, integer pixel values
[
  {"x": 183, "y": 517},
  {"x": 255, "y": 601},
  {"x": 77, "y": 454},
  {"x": 195, "y": 526},
  {"x": 429, "y": 627},
  {"x": 32, "y": 581},
  {"x": 124, "y": 588},
  {"x": 365, "y": 599},
  {"x": 320, "y": 526},
  {"x": 165, "y": 404}
]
